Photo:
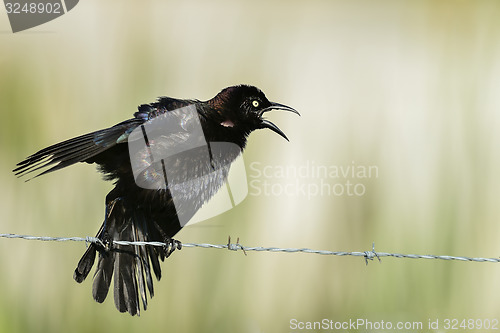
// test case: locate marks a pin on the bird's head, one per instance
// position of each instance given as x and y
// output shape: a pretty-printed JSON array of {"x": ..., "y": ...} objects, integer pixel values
[{"x": 240, "y": 109}]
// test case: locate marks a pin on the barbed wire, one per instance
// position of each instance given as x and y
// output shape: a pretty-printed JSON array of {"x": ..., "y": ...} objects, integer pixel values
[{"x": 367, "y": 255}]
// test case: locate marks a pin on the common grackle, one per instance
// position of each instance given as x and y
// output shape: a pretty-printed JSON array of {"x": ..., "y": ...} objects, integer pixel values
[{"x": 153, "y": 198}]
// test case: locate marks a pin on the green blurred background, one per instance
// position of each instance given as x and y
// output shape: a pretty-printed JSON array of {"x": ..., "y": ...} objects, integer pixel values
[{"x": 411, "y": 87}]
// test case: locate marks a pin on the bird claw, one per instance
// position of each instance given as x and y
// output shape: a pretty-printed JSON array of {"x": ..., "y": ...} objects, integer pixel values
[
  {"x": 107, "y": 242},
  {"x": 171, "y": 245}
]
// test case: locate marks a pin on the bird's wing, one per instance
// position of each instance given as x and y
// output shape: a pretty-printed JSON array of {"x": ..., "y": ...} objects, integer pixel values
[{"x": 79, "y": 149}]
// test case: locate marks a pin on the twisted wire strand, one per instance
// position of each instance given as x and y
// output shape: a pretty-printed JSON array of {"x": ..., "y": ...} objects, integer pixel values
[{"x": 367, "y": 255}]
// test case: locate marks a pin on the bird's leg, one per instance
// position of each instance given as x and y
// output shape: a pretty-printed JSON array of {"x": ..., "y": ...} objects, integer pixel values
[
  {"x": 106, "y": 238},
  {"x": 109, "y": 209},
  {"x": 170, "y": 244}
]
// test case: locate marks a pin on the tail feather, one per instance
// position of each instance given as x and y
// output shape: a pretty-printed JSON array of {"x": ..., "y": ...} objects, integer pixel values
[
  {"x": 102, "y": 276},
  {"x": 85, "y": 264},
  {"x": 141, "y": 258},
  {"x": 153, "y": 254},
  {"x": 125, "y": 283},
  {"x": 141, "y": 271},
  {"x": 87, "y": 261},
  {"x": 129, "y": 264}
]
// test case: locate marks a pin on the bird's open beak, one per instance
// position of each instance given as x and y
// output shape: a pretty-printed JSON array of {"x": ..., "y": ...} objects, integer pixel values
[{"x": 267, "y": 124}]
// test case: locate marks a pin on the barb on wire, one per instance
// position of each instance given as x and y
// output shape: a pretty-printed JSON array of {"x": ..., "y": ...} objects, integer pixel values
[
  {"x": 367, "y": 255},
  {"x": 235, "y": 247}
]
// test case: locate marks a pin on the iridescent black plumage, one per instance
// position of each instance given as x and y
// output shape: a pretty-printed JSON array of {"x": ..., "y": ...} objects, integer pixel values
[{"x": 136, "y": 213}]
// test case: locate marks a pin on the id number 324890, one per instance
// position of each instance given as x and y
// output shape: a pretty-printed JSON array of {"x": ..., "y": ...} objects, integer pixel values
[
  {"x": 470, "y": 324},
  {"x": 33, "y": 8}
]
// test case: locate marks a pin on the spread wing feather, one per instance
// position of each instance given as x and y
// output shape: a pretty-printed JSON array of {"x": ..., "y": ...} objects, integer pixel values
[{"x": 79, "y": 149}]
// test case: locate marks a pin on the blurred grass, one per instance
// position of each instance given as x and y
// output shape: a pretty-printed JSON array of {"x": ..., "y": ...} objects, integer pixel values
[{"x": 411, "y": 87}]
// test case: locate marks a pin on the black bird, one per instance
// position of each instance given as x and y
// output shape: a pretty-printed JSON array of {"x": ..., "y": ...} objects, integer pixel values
[{"x": 166, "y": 162}]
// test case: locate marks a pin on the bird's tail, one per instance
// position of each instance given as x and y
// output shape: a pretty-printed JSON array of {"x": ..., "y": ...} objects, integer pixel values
[{"x": 129, "y": 264}]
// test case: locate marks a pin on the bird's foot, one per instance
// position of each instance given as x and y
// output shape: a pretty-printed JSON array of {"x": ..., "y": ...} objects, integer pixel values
[
  {"x": 171, "y": 245},
  {"x": 107, "y": 242}
]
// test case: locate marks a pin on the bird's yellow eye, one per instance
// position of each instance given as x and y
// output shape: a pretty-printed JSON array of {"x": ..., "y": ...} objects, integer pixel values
[{"x": 255, "y": 103}]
